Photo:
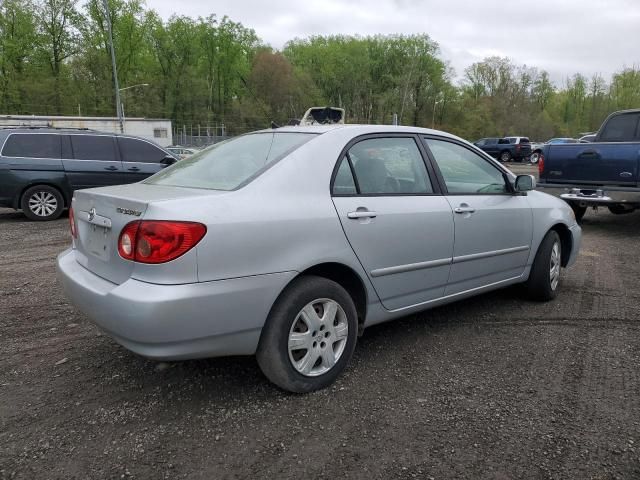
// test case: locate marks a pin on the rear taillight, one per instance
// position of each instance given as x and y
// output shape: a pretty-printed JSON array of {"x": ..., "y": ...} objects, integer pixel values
[
  {"x": 540, "y": 164},
  {"x": 518, "y": 148},
  {"x": 72, "y": 223},
  {"x": 158, "y": 241}
]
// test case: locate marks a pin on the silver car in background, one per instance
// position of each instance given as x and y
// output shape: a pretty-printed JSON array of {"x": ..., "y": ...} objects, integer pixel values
[{"x": 287, "y": 243}]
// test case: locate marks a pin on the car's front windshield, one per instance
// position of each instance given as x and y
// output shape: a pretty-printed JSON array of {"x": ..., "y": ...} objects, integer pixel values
[{"x": 230, "y": 164}]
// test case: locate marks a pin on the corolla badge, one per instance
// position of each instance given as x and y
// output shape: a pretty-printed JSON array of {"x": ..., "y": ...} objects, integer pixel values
[
  {"x": 127, "y": 211},
  {"x": 92, "y": 214}
]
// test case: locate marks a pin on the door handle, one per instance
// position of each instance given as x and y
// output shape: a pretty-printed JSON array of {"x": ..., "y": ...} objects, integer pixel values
[
  {"x": 464, "y": 208},
  {"x": 362, "y": 214},
  {"x": 111, "y": 168},
  {"x": 626, "y": 174},
  {"x": 133, "y": 169},
  {"x": 588, "y": 154}
]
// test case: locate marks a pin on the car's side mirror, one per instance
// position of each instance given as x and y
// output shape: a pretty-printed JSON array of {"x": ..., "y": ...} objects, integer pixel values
[
  {"x": 525, "y": 183},
  {"x": 168, "y": 160}
]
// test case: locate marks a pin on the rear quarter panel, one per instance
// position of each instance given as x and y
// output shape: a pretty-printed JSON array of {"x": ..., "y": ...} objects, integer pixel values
[
  {"x": 18, "y": 173},
  {"x": 282, "y": 221}
]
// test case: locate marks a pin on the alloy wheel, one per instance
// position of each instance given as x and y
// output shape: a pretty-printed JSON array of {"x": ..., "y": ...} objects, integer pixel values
[
  {"x": 554, "y": 266},
  {"x": 43, "y": 204},
  {"x": 318, "y": 337}
]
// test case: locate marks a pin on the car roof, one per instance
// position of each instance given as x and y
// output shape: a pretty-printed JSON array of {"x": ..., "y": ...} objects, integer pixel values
[
  {"x": 358, "y": 129},
  {"x": 5, "y": 131}
]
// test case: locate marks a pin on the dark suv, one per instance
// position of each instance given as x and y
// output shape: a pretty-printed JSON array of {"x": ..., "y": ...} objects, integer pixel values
[
  {"x": 41, "y": 167},
  {"x": 506, "y": 149}
]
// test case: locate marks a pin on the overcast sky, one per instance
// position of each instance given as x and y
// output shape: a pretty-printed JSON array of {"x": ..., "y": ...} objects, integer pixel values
[{"x": 560, "y": 36}]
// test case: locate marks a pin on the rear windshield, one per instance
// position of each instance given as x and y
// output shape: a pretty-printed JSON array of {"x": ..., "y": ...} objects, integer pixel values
[{"x": 229, "y": 165}]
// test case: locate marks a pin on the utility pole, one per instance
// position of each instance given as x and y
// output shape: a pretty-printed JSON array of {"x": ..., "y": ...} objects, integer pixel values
[{"x": 113, "y": 66}]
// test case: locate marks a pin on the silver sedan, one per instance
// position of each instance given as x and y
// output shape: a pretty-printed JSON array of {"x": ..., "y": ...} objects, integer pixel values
[{"x": 287, "y": 243}]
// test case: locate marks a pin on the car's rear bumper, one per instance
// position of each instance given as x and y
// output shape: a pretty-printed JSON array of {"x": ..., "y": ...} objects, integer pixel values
[
  {"x": 592, "y": 195},
  {"x": 172, "y": 322}
]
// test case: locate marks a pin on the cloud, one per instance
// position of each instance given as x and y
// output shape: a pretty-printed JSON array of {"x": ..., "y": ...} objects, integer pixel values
[{"x": 586, "y": 36}]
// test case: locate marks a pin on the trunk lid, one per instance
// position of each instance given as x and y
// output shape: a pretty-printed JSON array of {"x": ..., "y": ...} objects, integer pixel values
[
  {"x": 102, "y": 213},
  {"x": 592, "y": 163}
]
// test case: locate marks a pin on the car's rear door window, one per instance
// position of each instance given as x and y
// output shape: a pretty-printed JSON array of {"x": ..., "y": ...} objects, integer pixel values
[
  {"x": 229, "y": 165},
  {"x": 93, "y": 147},
  {"x": 383, "y": 166},
  {"x": 135, "y": 150},
  {"x": 32, "y": 145},
  {"x": 464, "y": 171},
  {"x": 621, "y": 128}
]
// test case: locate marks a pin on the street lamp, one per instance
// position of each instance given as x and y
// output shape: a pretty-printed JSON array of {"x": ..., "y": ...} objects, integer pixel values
[{"x": 122, "y": 119}]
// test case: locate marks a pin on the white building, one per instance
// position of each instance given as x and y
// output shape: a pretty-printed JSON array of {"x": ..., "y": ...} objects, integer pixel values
[{"x": 155, "y": 129}]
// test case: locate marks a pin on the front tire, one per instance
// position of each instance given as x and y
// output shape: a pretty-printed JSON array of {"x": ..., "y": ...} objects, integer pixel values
[
  {"x": 544, "y": 279},
  {"x": 535, "y": 156},
  {"x": 42, "y": 203},
  {"x": 309, "y": 336}
]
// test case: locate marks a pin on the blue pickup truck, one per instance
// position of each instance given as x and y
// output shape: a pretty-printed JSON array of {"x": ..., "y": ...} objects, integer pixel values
[{"x": 602, "y": 173}]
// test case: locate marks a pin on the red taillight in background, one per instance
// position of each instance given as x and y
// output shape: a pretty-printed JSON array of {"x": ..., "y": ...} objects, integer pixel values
[
  {"x": 540, "y": 164},
  {"x": 72, "y": 223},
  {"x": 158, "y": 241}
]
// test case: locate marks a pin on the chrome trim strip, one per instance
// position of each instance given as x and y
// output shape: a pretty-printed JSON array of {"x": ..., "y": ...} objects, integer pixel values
[
  {"x": 453, "y": 295},
  {"x": 379, "y": 272},
  {"x": 493, "y": 253}
]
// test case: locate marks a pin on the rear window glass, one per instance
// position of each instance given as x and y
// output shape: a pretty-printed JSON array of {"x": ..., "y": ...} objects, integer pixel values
[
  {"x": 228, "y": 165},
  {"x": 34, "y": 145},
  {"x": 524, "y": 140},
  {"x": 621, "y": 128}
]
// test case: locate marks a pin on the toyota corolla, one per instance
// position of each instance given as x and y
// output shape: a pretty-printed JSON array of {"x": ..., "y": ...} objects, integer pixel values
[{"x": 287, "y": 243}]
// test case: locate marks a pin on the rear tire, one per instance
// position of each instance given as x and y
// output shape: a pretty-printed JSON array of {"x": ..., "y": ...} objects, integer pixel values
[
  {"x": 309, "y": 336},
  {"x": 620, "y": 209},
  {"x": 42, "y": 203},
  {"x": 505, "y": 156},
  {"x": 544, "y": 279}
]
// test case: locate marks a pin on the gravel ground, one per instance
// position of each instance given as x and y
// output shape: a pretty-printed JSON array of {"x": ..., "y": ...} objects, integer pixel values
[{"x": 495, "y": 387}]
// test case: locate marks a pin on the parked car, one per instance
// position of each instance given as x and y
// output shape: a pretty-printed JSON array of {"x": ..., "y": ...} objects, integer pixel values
[
  {"x": 40, "y": 168},
  {"x": 536, "y": 148},
  {"x": 602, "y": 173},
  {"x": 287, "y": 243},
  {"x": 505, "y": 149},
  {"x": 521, "y": 151},
  {"x": 181, "y": 152}
]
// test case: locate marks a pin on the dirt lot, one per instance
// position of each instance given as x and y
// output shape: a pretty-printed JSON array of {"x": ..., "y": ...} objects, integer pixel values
[{"x": 495, "y": 387}]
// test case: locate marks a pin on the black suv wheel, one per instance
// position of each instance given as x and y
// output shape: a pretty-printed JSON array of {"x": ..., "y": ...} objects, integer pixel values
[{"x": 42, "y": 203}]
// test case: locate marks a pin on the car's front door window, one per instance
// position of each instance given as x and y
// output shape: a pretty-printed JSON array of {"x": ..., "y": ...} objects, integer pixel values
[{"x": 464, "y": 171}]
